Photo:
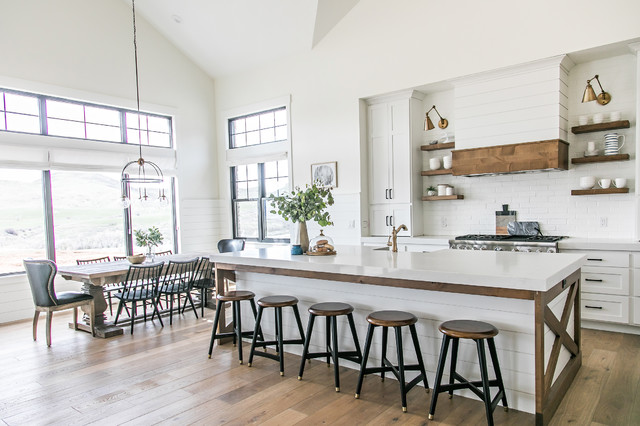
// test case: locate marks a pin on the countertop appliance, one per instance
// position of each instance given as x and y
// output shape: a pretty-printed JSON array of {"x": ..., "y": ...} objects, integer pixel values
[{"x": 523, "y": 243}]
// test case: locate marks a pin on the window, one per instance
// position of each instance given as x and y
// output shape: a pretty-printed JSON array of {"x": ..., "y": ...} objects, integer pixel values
[
  {"x": 22, "y": 112},
  {"x": 145, "y": 214},
  {"x": 87, "y": 215},
  {"x": 22, "y": 233},
  {"x": 254, "y": 129},
  {"x": 253, "y": 184}
]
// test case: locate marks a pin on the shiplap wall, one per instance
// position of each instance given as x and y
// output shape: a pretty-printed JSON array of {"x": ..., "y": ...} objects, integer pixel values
[
  {"x": 203, "y": 223},
  {"x": 514, "y": 318},
  {"x": 546, "y": 196},
  {"x": 522, "y": 104}
]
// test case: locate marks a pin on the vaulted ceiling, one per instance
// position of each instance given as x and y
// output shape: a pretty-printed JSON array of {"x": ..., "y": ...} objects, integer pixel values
[{"x": 228, "y": 36}]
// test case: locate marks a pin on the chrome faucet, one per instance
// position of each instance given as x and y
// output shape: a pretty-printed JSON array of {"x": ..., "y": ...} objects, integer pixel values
[{"x": 393, "y": 238}]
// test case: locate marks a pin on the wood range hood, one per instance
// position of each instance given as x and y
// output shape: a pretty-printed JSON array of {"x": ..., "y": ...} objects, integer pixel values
[{"x": 514, "y": 158}]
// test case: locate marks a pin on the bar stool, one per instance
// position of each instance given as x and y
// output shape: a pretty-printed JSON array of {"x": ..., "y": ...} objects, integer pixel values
[
  {"x": 397, "y": 320},
  {"x": 276, "y": 302},
  {"x": 479, "y": 332},
  {"x": 235, "y": 297},
  {"x": 331, "y": 310}
]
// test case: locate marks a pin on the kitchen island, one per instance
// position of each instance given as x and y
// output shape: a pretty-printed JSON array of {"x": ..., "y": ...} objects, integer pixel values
[{"x": 532, "y": 298}]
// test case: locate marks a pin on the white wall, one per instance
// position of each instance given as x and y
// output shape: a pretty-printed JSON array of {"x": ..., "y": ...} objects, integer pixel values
[
  {"x": 84, "y": 50},
  {"x": 379, "y": 48}
]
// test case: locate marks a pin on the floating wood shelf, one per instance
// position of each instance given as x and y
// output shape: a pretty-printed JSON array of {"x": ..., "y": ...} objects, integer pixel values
[
  {"x": 437, "y": 172},
  {"x": 599, "y": 191},
  {"x": 612, "y": 125},
  {"x": 437, "y": 146},
  {"x": 443, "y": 197},
  {"x": 599, "y": 158}
]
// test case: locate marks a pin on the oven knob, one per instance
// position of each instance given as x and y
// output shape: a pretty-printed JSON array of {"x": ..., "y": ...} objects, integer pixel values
[{"x": 497, "y": 248}]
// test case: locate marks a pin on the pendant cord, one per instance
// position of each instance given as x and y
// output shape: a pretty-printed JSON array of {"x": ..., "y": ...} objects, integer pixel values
[{"x": 135, "y": 52}]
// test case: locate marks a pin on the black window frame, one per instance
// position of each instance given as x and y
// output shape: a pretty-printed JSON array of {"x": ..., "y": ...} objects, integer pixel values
[
  {"x": 232, "y": 133},
  {"x": 263, "y": 201},
  {"x": 43, "y": 117}
]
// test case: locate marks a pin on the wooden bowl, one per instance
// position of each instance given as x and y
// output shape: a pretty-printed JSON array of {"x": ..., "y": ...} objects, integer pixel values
[{"x": 136, "y": 258}]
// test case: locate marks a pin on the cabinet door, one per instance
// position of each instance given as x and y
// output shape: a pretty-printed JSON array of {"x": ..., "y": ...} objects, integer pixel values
[
  {"x": 400, "y": 163},
  {"x": 379, "y": 219},
  {"x": 379, "y": 154},
  {"x": 401, "y": 215}
]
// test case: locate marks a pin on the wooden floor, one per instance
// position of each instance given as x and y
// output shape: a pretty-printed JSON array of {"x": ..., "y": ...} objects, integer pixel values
[{"x": 163, "y": 375}]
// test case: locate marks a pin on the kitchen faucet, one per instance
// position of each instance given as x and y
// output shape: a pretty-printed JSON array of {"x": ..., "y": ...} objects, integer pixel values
[{"x": 394, "y": 237}]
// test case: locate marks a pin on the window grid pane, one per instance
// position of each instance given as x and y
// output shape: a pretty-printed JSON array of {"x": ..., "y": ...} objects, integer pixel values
[
  {"x": 254, "y": 129},
  {"x": 20, "y": 112}
]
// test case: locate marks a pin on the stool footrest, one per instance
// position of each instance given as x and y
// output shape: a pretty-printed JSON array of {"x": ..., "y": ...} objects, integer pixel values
[
  {"x": 352, "y": 356},
  {"x": 394, "y": 370},
  {"x": 275, "y": 343},
  {"x": 267, "y": 355},
  {"x": 233, "y": 334},
  {"x": 472, "y": 386}
]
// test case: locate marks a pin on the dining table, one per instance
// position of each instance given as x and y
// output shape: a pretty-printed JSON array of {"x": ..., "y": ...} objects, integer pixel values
[{"x": 94, "y": 276}]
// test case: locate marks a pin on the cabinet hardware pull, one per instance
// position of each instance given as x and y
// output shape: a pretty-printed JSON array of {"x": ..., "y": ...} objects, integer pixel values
[
  {"x": 595, "y": 260},
  {"x": 386, "y": 194},
  {"x": 593, "y": 307},
  {"x": 391, "y": 220},
  {"x": 391, "y": 194},
  {"x": 591, "y": 279}
]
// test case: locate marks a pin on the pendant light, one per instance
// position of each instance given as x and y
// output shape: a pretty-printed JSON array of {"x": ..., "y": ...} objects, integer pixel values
[{"x": 139, "y": 172}]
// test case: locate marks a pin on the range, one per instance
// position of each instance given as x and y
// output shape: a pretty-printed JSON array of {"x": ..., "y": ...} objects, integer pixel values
[{"x": 524, "y": 243}]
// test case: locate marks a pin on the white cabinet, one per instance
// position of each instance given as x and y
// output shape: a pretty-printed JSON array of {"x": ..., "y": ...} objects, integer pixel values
[{"x": 393, "y": 140}]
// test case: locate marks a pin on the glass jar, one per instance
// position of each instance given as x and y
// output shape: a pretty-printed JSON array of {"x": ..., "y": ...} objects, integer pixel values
[{"x": 321, "y": 245}]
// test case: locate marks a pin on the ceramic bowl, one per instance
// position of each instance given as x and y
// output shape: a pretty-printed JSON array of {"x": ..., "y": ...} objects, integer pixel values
[{"x": 136, "y": 258}]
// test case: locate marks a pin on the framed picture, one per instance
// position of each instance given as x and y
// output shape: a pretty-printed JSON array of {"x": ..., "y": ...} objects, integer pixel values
[{"x": 325, "y": 173}]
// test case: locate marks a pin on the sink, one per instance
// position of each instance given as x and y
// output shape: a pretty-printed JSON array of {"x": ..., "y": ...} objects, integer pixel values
[{"x": 385, "y": 248}]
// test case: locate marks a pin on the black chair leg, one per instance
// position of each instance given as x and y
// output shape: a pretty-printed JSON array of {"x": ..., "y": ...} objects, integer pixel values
[
  {"x": 454, "y": 362},
  {"x": 296, "y": 313},
  {"x": 482, "y": 359},
  {"x": 354, "y": 333},
  {"x": 439, "y": 372},
  {"x": 385, "y": 335},
  {"x": 238, "y": 321},
  {"x": 496, "y": 368},
  {"x": 334, "y": 352},
  {"x": 255, "y": 335},
  {"x": 120, "y": 304},
  {"x": 193, "y": 306},
  {"x": 253, "y": 308},
  {"x": 328, "y": 339},
  {"x": 203, "y": 300},
  {"x": 134, "y": 313},
  {"x": 280, "y": 339},
  {"x": 215, "y": 326},
  {"x": 365, "y": 357},
  {"x": 416, "y": 346},
  {"x": 156, "y": 311},
  {"x": 400, "y": 355},
  {"x": 305, "y": 349},
  {"x": 234, "y": 315}
]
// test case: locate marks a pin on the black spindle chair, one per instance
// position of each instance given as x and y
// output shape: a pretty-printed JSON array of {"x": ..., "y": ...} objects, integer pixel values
[
  {"x": 178, "y": 280},
  {"x": 141, "y": 285},
  {"x": 203, "y": 281}
]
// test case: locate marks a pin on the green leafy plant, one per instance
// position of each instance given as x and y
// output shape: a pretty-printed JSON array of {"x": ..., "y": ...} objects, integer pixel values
[
  {"x": 302, "y": 205},
  {"x": 431, "y": 188},
  {"x": 150, "y": 238}
]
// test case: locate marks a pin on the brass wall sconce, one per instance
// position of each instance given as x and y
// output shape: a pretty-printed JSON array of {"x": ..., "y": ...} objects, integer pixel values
[
  {"x": 428, "y": 124},
  {"x": 590, "y": 95}
]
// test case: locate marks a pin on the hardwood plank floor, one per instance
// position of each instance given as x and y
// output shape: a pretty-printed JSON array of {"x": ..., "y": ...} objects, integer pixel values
[{"x": 163, "y": 376}]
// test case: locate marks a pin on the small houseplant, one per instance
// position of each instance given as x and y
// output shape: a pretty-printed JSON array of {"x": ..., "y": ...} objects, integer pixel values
[
  {"x": 150, "y": 238},
  {"x": 431, "y": 191},
  {"x": 301, "y": 205}
]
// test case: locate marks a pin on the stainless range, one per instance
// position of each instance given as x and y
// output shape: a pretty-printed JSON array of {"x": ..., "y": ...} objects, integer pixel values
[{"x": 524, "y": 243}]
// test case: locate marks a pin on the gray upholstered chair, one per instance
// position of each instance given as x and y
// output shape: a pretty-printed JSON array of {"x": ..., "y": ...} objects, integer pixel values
[
  {"x": 230, "y": 245},
  {"x": 41, "y": 274}
]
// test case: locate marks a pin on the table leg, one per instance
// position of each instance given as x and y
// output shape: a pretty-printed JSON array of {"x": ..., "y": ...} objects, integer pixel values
[{"x": 103, "y": 328}]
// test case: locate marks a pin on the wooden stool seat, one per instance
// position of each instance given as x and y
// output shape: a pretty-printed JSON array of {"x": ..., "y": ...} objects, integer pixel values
[
  {"x": 277, "y": 301},
  {"x": 392, "y": 318},
  {"x": 479, "y": 332},
  {"x": 232, "y": 296},
  {"x": 330, "y": 309},
  {"x": 468, "y": 329}
]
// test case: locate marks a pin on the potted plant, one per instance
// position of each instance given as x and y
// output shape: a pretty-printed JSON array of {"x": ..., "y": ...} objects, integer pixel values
[
  {"x": 431, "y": 191},
  {"x": 301, "y": 205},
  {"x": 150, "y": 238}
]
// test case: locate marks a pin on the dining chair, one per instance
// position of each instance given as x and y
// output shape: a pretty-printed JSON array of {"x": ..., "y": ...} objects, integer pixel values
[
  {"x": 229, "y": 245},
  {"x": 164, "y": 253},
  {"x": 178, "y": 280},
  {"x": 140, "y": 285},
  {"x": 41, "y": 275},
  {"x": 96, "y": 260},
  {"x": 116, "y": 258},
  {"x": 204, "y": 280}
]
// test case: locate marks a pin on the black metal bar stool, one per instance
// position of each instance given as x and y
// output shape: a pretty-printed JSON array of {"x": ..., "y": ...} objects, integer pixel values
[
  {"x": 397, "y": 320},
  {"x": 479, "y": 332},
  {"x": 331, "y": 310},
  {"x": 235, "y": 297},
  {"x": 276, "y": 302}
]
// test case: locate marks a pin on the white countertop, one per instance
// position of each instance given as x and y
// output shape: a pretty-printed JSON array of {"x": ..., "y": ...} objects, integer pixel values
[{"x": 522, "y": 271}]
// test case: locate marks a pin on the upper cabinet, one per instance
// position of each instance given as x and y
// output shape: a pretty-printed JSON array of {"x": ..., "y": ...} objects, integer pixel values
[{"x": 393, "y": 146}]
